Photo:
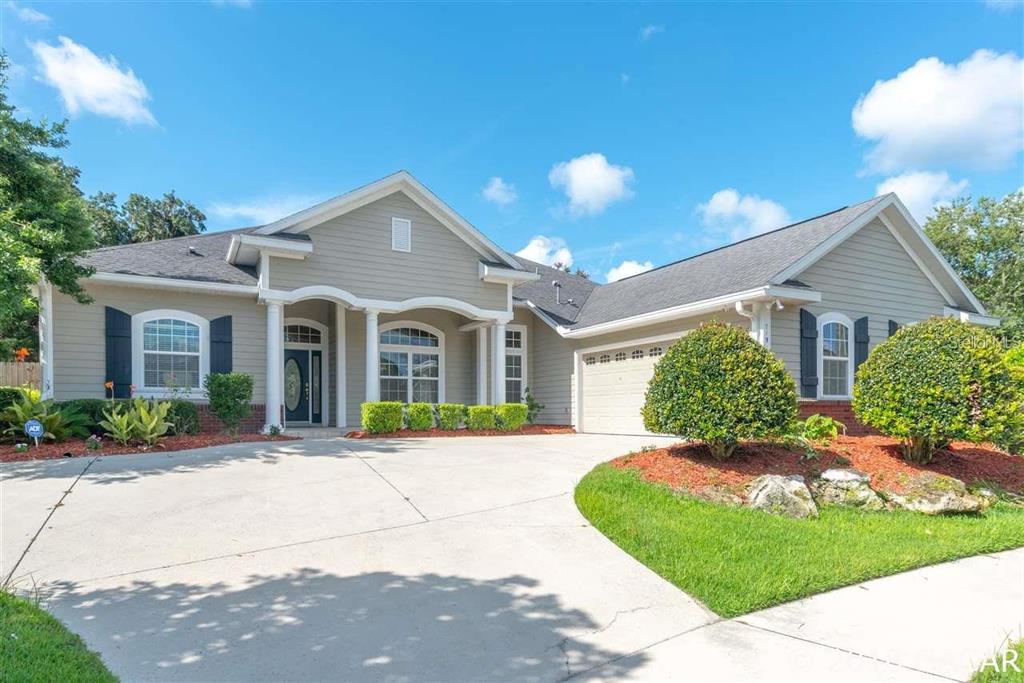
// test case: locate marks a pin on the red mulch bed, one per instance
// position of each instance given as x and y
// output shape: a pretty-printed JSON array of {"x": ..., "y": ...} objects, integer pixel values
[
  {"x": 408, "y": 433},
  {"x": 691, "y": 467},
  {"x": 75, "y": 448}
]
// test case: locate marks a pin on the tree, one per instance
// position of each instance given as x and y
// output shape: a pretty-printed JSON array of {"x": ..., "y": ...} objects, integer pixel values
[
  {"x": 159, "y": 219},
  {"x": 985, "y": 245},
  {"x": 44, "y": 225},
  {"x": 582, "y": 273},
  {"x": 109, "y": 224}
]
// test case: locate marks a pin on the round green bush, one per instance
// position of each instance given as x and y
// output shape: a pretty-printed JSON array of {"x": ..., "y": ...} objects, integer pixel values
[
  {"x": 510, "y": 416},
  {"x": 718, "y": 385},
  {"x": 382, "y": 417},
  {"x": 419, "y": 416},
  {"x": 450, "y": 415},
  {"x": 933, "y": 382},
  {"x": 480, "y": 418}
]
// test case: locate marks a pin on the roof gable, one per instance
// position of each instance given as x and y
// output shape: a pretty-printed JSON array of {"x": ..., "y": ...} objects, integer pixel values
[{"x": 402, "y": 182}]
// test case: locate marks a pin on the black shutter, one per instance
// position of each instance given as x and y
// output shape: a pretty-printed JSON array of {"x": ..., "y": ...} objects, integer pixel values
[
  {"x": 119, "y": 351},
  {"x": 808, "y": 354},
  {"x": 860, "y": 341},
  {"x": 220, "y": 344},
  {"x": 893, "y": 326}
]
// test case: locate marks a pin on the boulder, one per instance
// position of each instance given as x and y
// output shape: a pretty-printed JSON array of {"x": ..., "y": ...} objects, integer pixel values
[
  {"x": 846, "y": 488},
  {"x": 937, "y": 494},
  {"x": 780, "y": 495},
  {"x": 720, "y": 495}
]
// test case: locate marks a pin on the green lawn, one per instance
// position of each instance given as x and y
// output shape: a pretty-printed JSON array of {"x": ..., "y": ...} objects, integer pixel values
[
  {"x": 737, "y": 560},
  {"x": 36, "y": 647},
  {"x": 1009, "y": 674}
]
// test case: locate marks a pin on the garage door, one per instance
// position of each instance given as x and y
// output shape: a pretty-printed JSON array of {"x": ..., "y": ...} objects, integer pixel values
[{"x": 614, "y": 385}]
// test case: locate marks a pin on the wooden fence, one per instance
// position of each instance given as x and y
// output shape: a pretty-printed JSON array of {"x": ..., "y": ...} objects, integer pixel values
[{"x": 16, "y": 374}]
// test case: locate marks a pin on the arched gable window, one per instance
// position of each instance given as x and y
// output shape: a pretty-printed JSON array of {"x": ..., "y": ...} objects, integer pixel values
[
  {"x": 411, "y": 363},
  {"x": 835, "y": 355}
]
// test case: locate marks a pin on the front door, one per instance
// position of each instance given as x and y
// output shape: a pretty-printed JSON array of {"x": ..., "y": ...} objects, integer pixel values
[{"x": 302, "y": 386}]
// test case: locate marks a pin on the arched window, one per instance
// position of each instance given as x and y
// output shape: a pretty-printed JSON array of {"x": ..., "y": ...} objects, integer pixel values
[
  {"x": 620, "y": 356},
  {"x": 605, "y": 358},
  {"x": 411, "y": 363},
  {"x": 301, "y": 334},
  {"x": 835, "y": 332},
  {"x": 655, "y": 352},
  {"x": 590, "y": 360},
  {"x": 171, "y": 352},
  {"x": 637, "y": 354}
]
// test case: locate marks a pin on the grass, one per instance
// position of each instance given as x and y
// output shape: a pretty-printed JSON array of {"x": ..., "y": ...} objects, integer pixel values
[
  {"x": 737, "y": 560},
  {"x": 1009, "y": 674},
  {"x": 34, "y": 646}
]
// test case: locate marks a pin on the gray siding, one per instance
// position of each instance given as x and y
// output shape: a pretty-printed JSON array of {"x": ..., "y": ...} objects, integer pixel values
[
  {"x": 868, "y": 274},
  {"x": 80, "y": 343},
  {"x": 353, "y": 252}
]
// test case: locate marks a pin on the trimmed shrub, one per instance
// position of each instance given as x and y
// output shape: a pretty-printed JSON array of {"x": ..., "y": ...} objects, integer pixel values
[
  {"x": 184, "y": 415},
  {"x": 91, "y": 408},
  {"x": 717, "y": 385},
  {"x": 936, "y": 381},
  {"x": 510, "y": 416},
  {"x": 230, "y": 395},
  {"x": 480, "y": 417},
  {"x": 450, "y": 416},
  {"x": 382, "y": 417},
  {"x": 420, "y": 416},
  {"x": 1012, "y": 440}
]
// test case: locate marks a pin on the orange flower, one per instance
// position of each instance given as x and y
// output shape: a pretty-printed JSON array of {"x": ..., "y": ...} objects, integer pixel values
[
  {"x": 20, "y": 354},
  {"x": 108, "y": 384}
]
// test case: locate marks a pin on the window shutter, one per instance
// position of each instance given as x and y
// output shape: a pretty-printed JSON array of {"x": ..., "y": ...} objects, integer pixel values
[
  {"x": 119, "y": 351},
  {"x": 401, "y": 234},
  {"x": 860, "y": 341},
  {"x": 220, "y": 344},
  {"x": 893, "y": 326},
  {"x": 808, "y": 354}
]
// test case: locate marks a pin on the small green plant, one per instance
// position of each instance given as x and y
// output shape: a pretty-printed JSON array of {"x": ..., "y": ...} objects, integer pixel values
[
  {"x": 420, "y": 417},
  {"x": 94, "y": 442},
  {"x": 382, "y": 417},
  {"x": 20, "y": 447},
  {"x": 230, "y": 395},
  {"x": 533, "y": 408},
  {"x": 480, "y": 418},
  {"x": 119, "y": 423},
  {"x": 810, "y": 434},
  {"x": 150, "y": 420},
  {"x": 58, "y": 425},
  {"x": 92, "y": 408},
  {"x": 510, "y": 416},
  {"x": 450, "y": 416},
  {"x": 184, "y": 415},
  {"x": 274, "y": 430}
]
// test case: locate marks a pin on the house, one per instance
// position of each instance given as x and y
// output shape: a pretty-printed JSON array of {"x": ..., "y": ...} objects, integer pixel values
[{"x": 386, "y": 293}]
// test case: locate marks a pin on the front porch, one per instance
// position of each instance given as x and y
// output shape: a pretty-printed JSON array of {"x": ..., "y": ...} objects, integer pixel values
[{"x": 326, "y": 357}]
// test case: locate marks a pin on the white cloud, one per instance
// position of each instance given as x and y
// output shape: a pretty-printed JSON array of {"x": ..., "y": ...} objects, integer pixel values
[
  {"x": 547, "y": 250},
  {"x": 591, "y": 183},
  {"x": 1004, "y": 5},
  {"x": 499, "y": 192},
  {"x": 649, "y": 31},
  {"x": 740, "y": 216},
  {"x": 922, "y": 191},
  {"x": 89, "y": 82},
  {"x": 263, "y": 210},
  {"x": 627, "y": 268},
  {"x": 27, "y": 14},
  {"x": 936, "y": 114}
]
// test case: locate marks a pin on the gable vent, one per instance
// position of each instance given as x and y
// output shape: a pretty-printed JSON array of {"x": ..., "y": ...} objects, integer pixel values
[{"x": 401, "y": 234}]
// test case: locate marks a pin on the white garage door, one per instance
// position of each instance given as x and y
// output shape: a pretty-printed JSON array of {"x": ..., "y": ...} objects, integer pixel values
[{"x": 614, "y": 385}]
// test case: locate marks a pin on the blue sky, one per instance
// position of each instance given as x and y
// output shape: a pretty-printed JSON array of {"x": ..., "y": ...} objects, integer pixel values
[{"x": 620, "y": 133}]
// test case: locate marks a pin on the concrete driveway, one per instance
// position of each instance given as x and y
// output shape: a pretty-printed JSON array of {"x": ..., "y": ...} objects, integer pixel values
[{"x": 432, "y": 559}]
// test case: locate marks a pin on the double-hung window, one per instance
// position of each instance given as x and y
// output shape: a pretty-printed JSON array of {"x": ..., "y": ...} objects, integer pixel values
[
  {"x": 515, "y": 363},
  {"x": 171, "y": 352},
  {"x": 411, "y": 365},
  {"x": 835, "y": 356}
]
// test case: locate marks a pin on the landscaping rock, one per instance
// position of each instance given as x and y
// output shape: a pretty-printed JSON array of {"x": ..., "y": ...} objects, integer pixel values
[
  {"x": 719, "y": 495},
  {"x": 846, "y": 488},
  {"x": 780, "y": 495},
  {"x": 936, "y": 494}
]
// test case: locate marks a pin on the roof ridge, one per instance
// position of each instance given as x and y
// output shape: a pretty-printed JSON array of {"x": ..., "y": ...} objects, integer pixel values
[{"x": 747, "y": 239}]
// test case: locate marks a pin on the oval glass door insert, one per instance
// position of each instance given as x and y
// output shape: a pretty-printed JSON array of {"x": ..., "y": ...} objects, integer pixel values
[{"x": 292, "y": 384}]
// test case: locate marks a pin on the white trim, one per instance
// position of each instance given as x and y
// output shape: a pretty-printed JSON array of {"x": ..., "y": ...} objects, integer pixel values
[
  {"x": 264, "y": 272},
  {"x": 372, "y": 388},
  {"x": 322, "y": 347},
  {"x": 401, "y": 181},
  {"x": 380, "y": 305},
  {"x": 916, "y": 259},
  {"x": 275, "y": 366},
  {"x": 661, "y": 338},
  {"x": 402, "y": 348},
  {"x": 45, "y": 294},
  {"x": 968, "y": 317},
  {"x": 172, "y": 283},
  {"x": 834, "y": 317},
  {"x": 522, "y": 353},
  {"x": 498, "y": 363},
  {"x": 492, "y": 273},
  {"x": 481, "y": 365},
  {"x": 720, "y": 303},
  {"x": 577, "y": 365},
  {"x": 268, "y": 246},
  {"x": 341, "y": 381},
  {"x": 398, "y": 223},
  {"x": 138, "y": 353}
]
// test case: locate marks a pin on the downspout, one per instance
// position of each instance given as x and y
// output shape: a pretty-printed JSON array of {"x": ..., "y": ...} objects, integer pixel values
[{"x": 760, "y": 316}]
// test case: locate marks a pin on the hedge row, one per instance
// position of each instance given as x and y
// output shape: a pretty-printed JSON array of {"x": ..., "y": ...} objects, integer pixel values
[{"x": 383, "y": 417}]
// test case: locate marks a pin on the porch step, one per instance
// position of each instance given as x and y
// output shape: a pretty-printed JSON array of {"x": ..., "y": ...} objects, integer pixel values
[{"x": 317, "y": 432}]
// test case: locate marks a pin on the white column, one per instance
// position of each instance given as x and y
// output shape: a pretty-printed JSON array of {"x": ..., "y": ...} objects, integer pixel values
[
  {"x": 577, "y": 391},
  {"x": 761, "y": 324},
  {"x": 498, "y": 364},
  {"x": 372, "y": 358},
  {"x": 481, "y": 365},
  {"x": 275, "y": 361},
  {"x": 341, "y": 383}
]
